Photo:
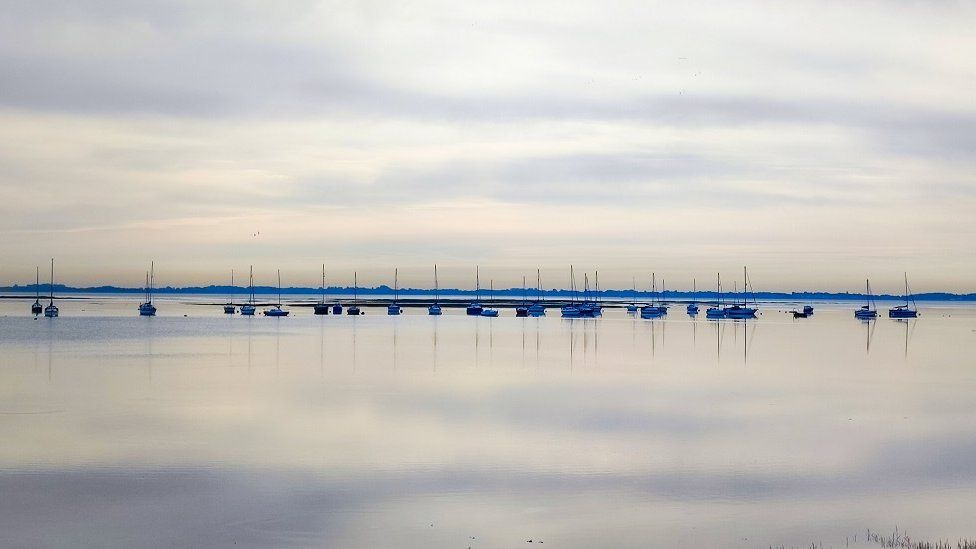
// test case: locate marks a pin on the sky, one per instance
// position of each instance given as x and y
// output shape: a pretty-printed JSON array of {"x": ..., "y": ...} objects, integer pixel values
[{"x": 819, "y": 143}]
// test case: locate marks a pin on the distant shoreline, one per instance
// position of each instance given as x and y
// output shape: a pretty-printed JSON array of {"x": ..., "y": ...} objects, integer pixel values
[{"x": 530, "y": 294}]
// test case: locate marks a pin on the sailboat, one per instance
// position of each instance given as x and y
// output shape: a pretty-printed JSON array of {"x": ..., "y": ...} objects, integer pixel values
[
  {"x": 660, "y": 298},
  {"x": 147, "y": 308},
  {"x": 487, "y": 311},
  {"x": 229, "y": 308},
  {"x": 571, "y": 310},
  {"x": 394, "y": 308},
  {"x": 277, "y": 310},
  {"x": 868, "y": 310},
  {"x": 248, "y": 308},
  {"x": 475, "y": 308},
  {"x": 37, "y": 308},
  {"x": 354, "y": 309},
  {"x": 909, "y": 309},
  {"x": 716, "y": 311},
  {"x": 522, "y": 310},
  {"x": 51, "y": 310},
  {"x": 591, "y": 306},
  {"x": 435, "y": 309},
  {"x": 321, "y": 308},
  {"x": 693, "y": 306},
  {"x": 632, "y": 306},
  {"x": 654, "y": 309},
  {"x": 742, "y": 310},
  {"x": 537, "y": 308}
]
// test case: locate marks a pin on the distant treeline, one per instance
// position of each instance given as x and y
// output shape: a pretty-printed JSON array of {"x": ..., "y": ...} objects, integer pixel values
[{"x": 530, "y": 293}]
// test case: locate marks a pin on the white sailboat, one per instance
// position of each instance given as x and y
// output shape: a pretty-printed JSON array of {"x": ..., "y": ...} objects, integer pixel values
[
  {"x": 277, "y": 310},
  {"x": 51, "y": 310},
  {"x": 248, "y": 308},
  {"x": 538, "y": 308},
  {"x": 435, "y": 309}
]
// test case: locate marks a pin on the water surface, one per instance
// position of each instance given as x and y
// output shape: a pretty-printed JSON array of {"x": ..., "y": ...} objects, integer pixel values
[{"x": 209, "y": 430}]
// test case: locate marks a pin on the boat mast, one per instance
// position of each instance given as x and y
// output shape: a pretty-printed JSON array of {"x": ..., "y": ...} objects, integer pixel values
[
  {"x": 657, "y": 299},
  {"x": 597, "y": 282},
  {"x": 437, "y": 293},
  {"x": 538, "y": 283},
  {"x": 477, "y": 284},
  {"x": 250, "y": 284},
  {"x": 279, "y": 288},
  {"x": 51, "y": 286},
  {"x": 355, "y": 287},
  {"x": 231, "y": 296},
  {"x": 37, "y": 283},
  {"x": 719, "y": 288},
  {"x": 396, "y": 284},
  {"x": 152, "y": 279},
  {"x": 323, "y": 284},
  {"x": 572, "y": 284}
]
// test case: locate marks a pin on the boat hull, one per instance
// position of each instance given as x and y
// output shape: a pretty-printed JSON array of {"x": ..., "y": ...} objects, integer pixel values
[
  {"x": 570, "y": 311},
  {"x": 865, "y": 314},
  {"x": 737, "y": 311},
  {"x": 652, "y": 311},
  {"x": 320, "y": 309},
  {"x": 229, "y": 309},
  {"x": 147, "y": 309},
  {"x": 714, "y": 312},
  {"x": 434, "y": 310},
  {"x": 353, "y": 311},
  {"x": 276, "y": 312},
  {"x": 902, "y": 313},
  {"x": 337, "y": 309},
  {"x": 393, "y": 310},
  {"x": 474, "y": 310},
  {"x": 247, "y": 310}
]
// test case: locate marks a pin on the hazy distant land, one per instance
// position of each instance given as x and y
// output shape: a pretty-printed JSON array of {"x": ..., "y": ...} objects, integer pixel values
[{"x": 530, "y": 293}]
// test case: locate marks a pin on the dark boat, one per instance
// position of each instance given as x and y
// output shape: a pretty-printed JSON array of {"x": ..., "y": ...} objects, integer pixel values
[
  {"x": 475, "y": 308},
  {"x": 230, "y": 308},
  {"x": 37, "y": 308},
  {"x": 523, "y": 309},
  {"x": 868, "y": 311},
  {"x": 353, "y": 310},
  {"x": 147, "y": 308},
  {"x": 321, "y": 308},
  {"x": 393, "y": 308},
  {"x": 799, "y": 314},
  {"x": 808, "y": 309},
  {"x": 905, "y": 311}
]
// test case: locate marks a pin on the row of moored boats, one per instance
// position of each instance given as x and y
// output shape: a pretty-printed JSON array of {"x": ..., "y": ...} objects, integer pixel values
[{"x": 589, "y": 306}]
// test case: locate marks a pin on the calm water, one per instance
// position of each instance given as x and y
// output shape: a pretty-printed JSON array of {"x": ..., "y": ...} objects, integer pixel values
[{"x": 412, "y": 431}]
